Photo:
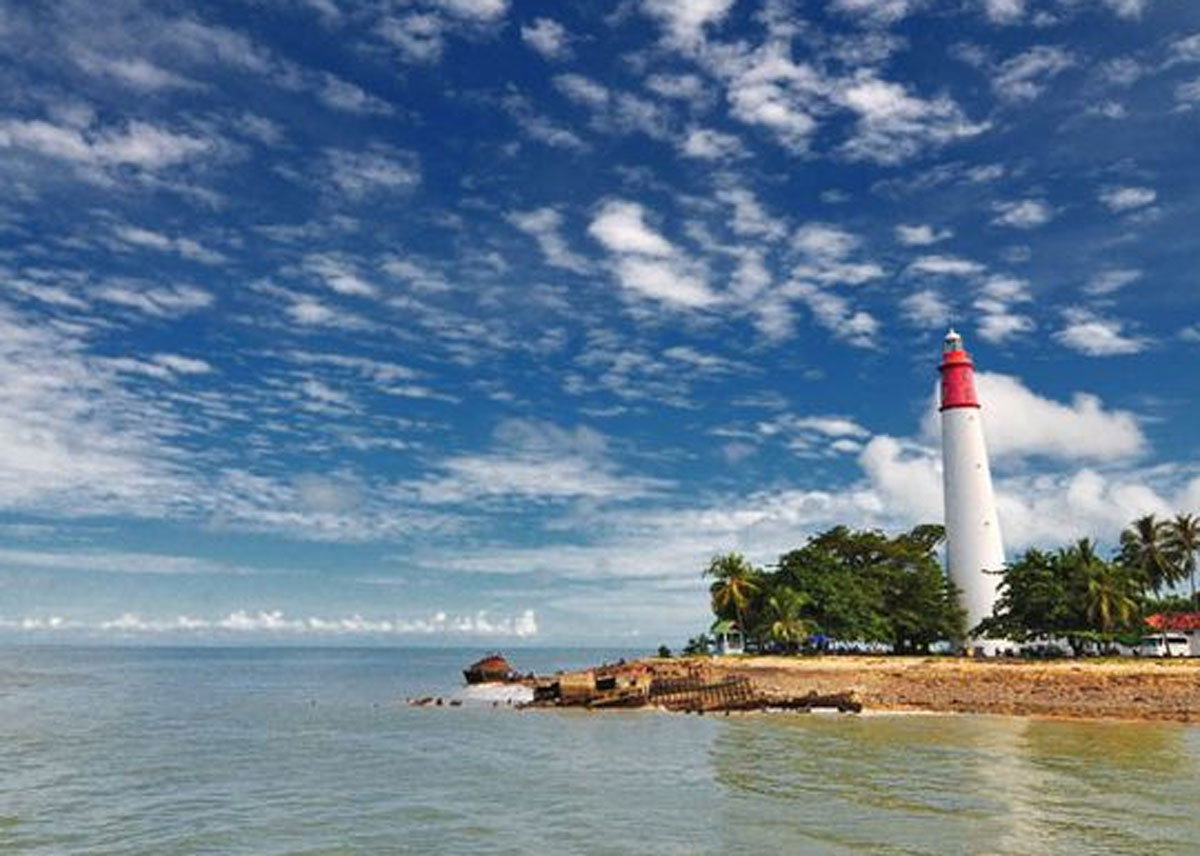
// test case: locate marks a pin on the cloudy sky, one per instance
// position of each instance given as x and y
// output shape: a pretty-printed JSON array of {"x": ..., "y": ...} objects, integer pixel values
[{"x": 455, "y": 318}]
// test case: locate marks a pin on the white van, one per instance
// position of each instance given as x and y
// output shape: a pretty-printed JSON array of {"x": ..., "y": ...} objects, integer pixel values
[{"x": 1169, "y": 645}]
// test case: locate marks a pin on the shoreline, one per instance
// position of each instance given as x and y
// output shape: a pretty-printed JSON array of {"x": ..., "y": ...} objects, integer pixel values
[
  {"x": 1116, "y": 689},
  {"x": 1104, "y": 689}
]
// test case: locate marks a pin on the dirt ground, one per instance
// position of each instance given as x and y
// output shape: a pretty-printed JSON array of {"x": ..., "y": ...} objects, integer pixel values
[{"x": 1146, "y": 689}]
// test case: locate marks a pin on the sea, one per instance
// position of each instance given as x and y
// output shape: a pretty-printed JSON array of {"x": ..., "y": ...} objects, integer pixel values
[{"x": 315, "y": 751}]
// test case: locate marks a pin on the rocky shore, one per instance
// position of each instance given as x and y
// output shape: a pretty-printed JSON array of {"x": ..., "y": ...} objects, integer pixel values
[{"x": 1139, "y": 689}]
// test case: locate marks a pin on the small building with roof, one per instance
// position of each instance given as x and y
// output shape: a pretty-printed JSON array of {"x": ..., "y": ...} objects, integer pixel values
[
  {"x": 1177, "y": 634},
  {"x": 727, "y": 637}
]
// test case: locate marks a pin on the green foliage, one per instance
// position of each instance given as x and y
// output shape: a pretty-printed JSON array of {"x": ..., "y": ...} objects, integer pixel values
[
  {"x": 1183, "y": 543},
  {"x": 735, "y": 587},
  {"x": 696, "y": 645},
  {"x": 783, "y": 618},
  {"x": 664, "y": 652},
  {"x": 1145, "y": 548},
  {"x": 845, "y": 584},
  {"x": 1171, "y": 603},
  {"x": 866, "y": 586},
  {"x": 1070, "y": 593}
]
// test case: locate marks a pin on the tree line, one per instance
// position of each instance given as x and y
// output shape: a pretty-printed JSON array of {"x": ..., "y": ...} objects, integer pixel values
[{"x": 865, "y": 586}]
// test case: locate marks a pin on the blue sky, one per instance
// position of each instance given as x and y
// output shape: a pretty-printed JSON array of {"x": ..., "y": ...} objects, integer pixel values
[{"x": 466, "y": 319}]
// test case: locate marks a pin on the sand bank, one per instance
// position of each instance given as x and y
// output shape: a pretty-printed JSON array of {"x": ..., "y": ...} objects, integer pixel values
[{"x": 1145, "y": 689}]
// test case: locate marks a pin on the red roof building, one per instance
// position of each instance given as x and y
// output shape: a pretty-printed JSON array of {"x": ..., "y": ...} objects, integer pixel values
[{"x": 1178, "y": 621}]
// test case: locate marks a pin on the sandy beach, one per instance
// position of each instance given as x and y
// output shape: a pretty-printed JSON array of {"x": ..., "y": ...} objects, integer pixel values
[{"x": 1158, "y": 690}]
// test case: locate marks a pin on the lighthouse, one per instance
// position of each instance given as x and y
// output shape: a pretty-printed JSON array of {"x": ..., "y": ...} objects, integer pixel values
[{"x": 973, "y": 543}]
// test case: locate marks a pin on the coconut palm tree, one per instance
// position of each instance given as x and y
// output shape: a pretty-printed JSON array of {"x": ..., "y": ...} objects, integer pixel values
[
  {"x": 785, "y": 625},
  {"x": 1111, "y": 596},
  {"x": 1145, "y": 548},
  {"x": 735, "y": 582},
  {"x": 1183, "y": 542}
]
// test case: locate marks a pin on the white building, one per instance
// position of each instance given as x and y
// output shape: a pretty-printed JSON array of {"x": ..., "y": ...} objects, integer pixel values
[{"x": 974, "y": 547}]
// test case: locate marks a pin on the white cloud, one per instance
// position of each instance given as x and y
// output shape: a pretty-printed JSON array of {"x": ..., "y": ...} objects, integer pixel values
[
  {"x": 583, "y": 90},
  {"x": 1127, "y": 8},
  {"x": 1004, "y": 11},
  {"x": 1122, "y": 199},
  {"x": 339, "y": 275},
  {"x": 826, "y": 248},
  {"x": 904, "y": 478},
  {"x": 76, "y": 441},
  {"x": 135, "y": 72},
  {"x": 621, "y": 227},
  {"x": 162, "y": 301},
  {"x": 769, "y": 90},
  {"x": 894, "y": 125},
  {"x": 538, "y": 461},
  {"x": 816, "y": 436},
  {"x": 1020, "y": 424},
  {"x": 118, "y": 562},
  {"x": 1023, "y": 213},
  {"x": 544, "y": 225},
  {"x": 547, "y": 37},
  {"x": 647, "y": 263},
  {"x": 836, "y": 314},
  {"x": 136, "y": 144},
  {"x": 921, "y": 235},
  {"x": 1108, "y": 110},
  {"x": 1001, "y": 325},
  {"x": 1025, "y": 76},
  {"x": 707, "y": 144},
  {"x": 540, "y": 128},
  {"x": 682, "y": 87},
  {"x": 876, "y": 11},
  {"x": 180, "y": 364},
  {"x": 669, "y": 280},
  {"x": 938, "y": 265},
  {"x": 926, "y": 309},
  {"x": 824, "y": 241},
  {"x": 1188, "y": 94},
  {"x": 188, "y": 248},
  {"x": 275, "y": 623},
  {"x": 1096, "y": 336},
  {"x": 1185, "y": 50},
  {"x": 749, "y": 216},
  {"x": 685, "y": 20},
  {"x": 419, "y": 36},
  {"x": 997, "y": 322},
  {"x": 613, "y": 111},
  {"x": 479, "y": 10},
  {"x": 380, "y": 169},
  {"x": 1049, "y": 509},
  {"x": 1110, "y": 280},
  {"x": 349, "y": 97}
]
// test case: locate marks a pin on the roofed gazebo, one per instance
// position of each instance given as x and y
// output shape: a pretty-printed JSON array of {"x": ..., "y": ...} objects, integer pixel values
[{"x": 727, "y": 637}]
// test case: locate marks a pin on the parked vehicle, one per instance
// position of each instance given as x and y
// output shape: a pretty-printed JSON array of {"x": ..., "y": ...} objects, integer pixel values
[{"x": 1169, "y": 645}]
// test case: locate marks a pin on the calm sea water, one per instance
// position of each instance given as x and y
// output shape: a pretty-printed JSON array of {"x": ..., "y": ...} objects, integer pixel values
[{"x": 312, "y": 751}]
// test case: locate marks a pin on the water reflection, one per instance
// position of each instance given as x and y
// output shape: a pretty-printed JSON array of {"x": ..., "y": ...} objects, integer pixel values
[{"x": 970, "y": 785}]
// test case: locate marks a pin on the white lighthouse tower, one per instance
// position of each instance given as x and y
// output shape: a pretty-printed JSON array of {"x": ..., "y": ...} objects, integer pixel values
[{"x": 973, "y": 542}]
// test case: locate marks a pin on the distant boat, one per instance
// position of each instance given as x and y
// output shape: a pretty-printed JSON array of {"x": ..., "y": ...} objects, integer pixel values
[{"x": 491, "y": 669}]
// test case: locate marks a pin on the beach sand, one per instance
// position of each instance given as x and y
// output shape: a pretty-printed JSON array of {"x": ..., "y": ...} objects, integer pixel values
[{"x": 1141, "y": 689}]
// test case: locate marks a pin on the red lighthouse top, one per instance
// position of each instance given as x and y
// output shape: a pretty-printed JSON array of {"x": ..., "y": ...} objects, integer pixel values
[{"x": 958, "y": 374}]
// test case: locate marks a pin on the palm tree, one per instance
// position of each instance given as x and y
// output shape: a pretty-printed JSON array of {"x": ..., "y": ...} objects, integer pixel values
[
  {"x": 1145, "y": 547},
  {"x": 1111, "y": 600},
  {"x": 735, "y": 582},
  {"x": 1183, "y": 542},
  {"x": 1111, "y": 593},
  {"x": 783, "y": 612}
]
